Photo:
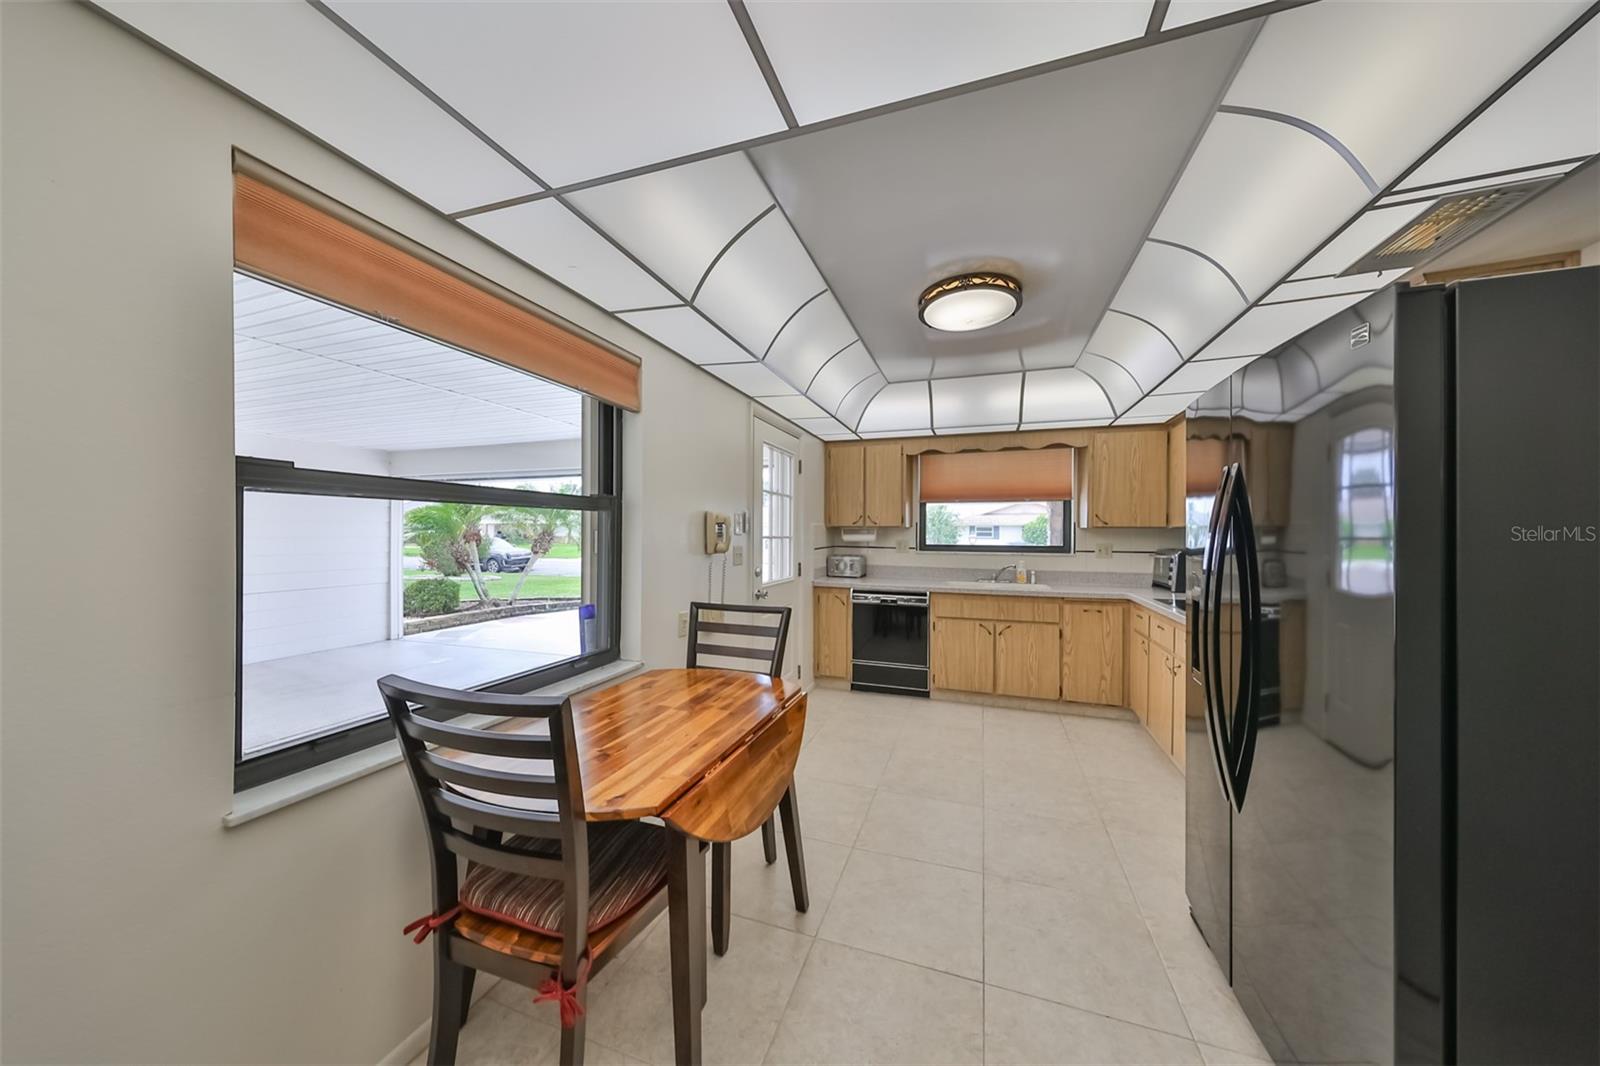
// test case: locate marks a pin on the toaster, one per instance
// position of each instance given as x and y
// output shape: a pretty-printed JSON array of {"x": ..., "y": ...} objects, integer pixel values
[
  {"x": 1169, "y": 570},
  {"x": 847, "y": 566}
]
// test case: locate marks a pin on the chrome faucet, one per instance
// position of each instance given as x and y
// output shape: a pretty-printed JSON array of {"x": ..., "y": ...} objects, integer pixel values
[{"x": 1009, "y": 566}]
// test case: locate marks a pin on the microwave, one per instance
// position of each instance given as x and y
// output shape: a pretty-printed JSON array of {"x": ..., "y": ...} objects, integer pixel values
[{"x": 1169, "y": 570}]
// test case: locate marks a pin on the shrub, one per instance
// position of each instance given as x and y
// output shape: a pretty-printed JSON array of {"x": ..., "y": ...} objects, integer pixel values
[{"x": 433, "y": 595}]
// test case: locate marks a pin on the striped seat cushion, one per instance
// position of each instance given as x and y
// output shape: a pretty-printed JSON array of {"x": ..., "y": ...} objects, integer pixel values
[{"x": 627, "y": 865}]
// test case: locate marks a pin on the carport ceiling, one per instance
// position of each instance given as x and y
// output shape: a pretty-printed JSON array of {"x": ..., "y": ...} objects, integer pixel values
[{"x": 764, "y": 187}]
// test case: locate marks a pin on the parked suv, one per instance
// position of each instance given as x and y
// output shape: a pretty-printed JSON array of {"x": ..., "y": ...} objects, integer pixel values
[{"x": 503, "y": 555}]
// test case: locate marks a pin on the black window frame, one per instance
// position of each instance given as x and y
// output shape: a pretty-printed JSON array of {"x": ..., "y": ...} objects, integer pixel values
[
  {"x": 273, "y": 475},
  {"x": 996, "y": 548}
]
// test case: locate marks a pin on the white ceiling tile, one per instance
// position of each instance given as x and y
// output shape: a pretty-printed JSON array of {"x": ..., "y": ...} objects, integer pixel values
[
  {"x": 1158, "y": 408},
  {"x": 752, "y": 379},
  {"x": 856, "y": 400},
  {"x": 836, "y": 57},
  {"x": 1476, "y": 184},
  {"x": 1262, "y": 328},
  {"x": 1136, "y": 346},
  {"x": 898, "y": 408},
  {"x": 1067, "y": 394},
  {"x": 677, "y": 220},
  {"x": 578, "y": 90},
  {"x": 556, "y": 242},
  {"x": 1114, "y": 378},
  {"x": 1553, "y": 113},
  {"x": 795, "y": 407},
  {"x": 1181, "y": 294},
  {"x": 1314, "y": 288},
  {"x": 953, "y": 431},
  {"x": 294, "y": 61},
  {"x": 1184, "y": 12},
  {"x": 1256, "y": 195},
  {"x": 841, "y": 374},
  {"x": 970, "y": 365},
  {"x": 760, "y": 282},
  {"x": 810, "y": 339},
  {"x": 1076, "y": 423},
  {"x": 1363, "y": 234},
  {"x": 1062, "y": 352},
  {"x": 1198, "y": 377},
  {"x": 826, "y": 428},
  {"x": 977, "y": 401},
  {"x": 1374, "y": 75},
  {"x": 1145, "y": 420},
  {"x": 686, "y": 331}
]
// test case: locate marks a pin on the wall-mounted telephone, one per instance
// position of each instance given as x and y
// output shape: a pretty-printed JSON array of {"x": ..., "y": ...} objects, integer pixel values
[{"x": 718, "y": 533}]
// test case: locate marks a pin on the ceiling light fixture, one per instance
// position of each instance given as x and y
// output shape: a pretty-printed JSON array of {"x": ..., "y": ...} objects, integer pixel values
[{"x": 969, "y": 301}]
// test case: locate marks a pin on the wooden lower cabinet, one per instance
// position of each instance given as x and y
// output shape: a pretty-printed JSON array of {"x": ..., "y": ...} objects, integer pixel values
[
  {"x": 1180, "y": 698},
  {"x": 1139, "y": 677},
  {"x": 1027, "y": 658},
  {"x": 961, "y": 654},
  {"x": 1165, "y": 681},
  {"x": 1159, "y": 718},
  {"x": 1092, "y": 664},
  {"x": 830, "y": 632}
]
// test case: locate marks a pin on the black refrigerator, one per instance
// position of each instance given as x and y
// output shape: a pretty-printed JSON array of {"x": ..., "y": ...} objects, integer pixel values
[{"x": 1393, "y": 709}]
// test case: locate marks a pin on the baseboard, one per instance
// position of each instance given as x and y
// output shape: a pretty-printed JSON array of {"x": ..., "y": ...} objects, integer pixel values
[
  {"x": 417, "y": 1042},
  {"x": 1022, "y": 703}
]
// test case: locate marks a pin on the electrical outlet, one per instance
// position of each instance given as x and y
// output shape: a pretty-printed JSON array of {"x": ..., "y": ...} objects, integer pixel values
[
  {"x": 738, "y": 555},
  {"x": 1102, "y": 551},
  {"x": 683, "y": 623}
]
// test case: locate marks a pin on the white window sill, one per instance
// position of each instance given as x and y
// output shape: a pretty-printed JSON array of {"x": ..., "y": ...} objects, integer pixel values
[{"x": 286, "y": 791}]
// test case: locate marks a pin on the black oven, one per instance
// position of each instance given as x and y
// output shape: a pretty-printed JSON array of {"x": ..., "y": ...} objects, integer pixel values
[{"x": 889, "y": 642}]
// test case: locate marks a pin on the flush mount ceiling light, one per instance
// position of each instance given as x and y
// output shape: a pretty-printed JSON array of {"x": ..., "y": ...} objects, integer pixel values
[{"x": 969, "y": 301}]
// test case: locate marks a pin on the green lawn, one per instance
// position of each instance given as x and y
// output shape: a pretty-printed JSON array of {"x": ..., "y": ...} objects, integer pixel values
[
  {"x": 557, "y": 551},
  {"x": 537, "y": 586}
]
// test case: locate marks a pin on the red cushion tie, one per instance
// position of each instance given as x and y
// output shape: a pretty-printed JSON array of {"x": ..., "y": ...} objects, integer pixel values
[
  {"x": 566, "y": 996},
  {"x": 430, "y": 922}
]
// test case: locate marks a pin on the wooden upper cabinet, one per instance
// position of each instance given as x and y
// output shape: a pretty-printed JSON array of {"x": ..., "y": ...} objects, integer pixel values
[
  {"x": 1268, "y": 459},
  {"x": 884, "y": 491},
  {"x": 1178, "y": 473},
  {"x": 845, "y": 484},
  {"x": 865, "y": 484},
  {"x": 1092, "y": 664},
  {"x": 830, "y": 626},
  {"x": 1128, "y": 478},
  {"x": 1027, "y": 657},
  {"x": 961, "y": 654}
]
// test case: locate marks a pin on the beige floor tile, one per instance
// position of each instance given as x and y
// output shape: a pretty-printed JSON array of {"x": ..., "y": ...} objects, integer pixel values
[
  {"x": 846, "y": 760},
  {"x": 1081, "y": 950},
  {"x": 1208, "y": 1003},
  {"x": 858, "y": 722},
  {"x": 1052, "y": 792},
  {"x": 764, "y": 893},
  {"x": 746, "y": 992},
  {"x": 1216, "y": 1056},
  {"x": 1026, "y": 1030},
  {"x": 1154, "y": 866},
  {"x": 496, "y": 1034},
  {"x": 852, "y": 1006},
  {"x": 1153, "y": 806},
  {"x": 917, "y": 827},
  {"x": 1049, "y": 851},
  {"x": 829, "y": 810},
  {"x": 914, "y": 911},
  {"x": 940, "y": 772}
]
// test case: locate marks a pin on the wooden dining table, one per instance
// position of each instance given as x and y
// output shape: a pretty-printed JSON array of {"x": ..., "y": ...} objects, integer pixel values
[{"x": 709, "y": 753}]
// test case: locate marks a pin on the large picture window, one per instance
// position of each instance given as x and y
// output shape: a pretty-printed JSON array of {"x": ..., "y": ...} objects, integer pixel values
[
  {"x": 404, "y": 506},
  {"x": 1010, "y": 501}
]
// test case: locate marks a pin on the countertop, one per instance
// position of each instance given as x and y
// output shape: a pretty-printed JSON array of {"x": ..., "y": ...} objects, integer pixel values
[{"x": 1147, "y": 596}]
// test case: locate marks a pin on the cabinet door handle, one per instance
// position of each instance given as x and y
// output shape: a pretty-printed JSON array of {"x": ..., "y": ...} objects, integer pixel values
[{"x": 1004, "y": 631}]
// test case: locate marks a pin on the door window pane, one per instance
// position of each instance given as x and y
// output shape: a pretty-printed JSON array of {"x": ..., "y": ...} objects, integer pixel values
[
  {"x": 1364, "y": 511},
  {"x": 777, "y": 515}
]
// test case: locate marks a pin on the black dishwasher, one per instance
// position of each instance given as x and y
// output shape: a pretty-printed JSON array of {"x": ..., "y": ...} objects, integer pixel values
[{"x": 889, "y": 642}]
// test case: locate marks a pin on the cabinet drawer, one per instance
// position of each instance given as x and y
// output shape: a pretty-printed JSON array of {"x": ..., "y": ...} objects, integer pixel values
[
  {"x": 996, "y": 608},
  {"x": 1161, "y": 632},
  {"x": 1141, "y": 622}
]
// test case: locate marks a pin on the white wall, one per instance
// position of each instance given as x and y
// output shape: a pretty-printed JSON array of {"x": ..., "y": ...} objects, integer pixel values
[
  {"x": 546, "y": 458},
  {"x": 135, "y": 927}
]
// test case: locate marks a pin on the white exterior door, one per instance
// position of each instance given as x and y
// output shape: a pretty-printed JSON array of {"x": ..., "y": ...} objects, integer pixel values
[{"x": 775, "y": 541}]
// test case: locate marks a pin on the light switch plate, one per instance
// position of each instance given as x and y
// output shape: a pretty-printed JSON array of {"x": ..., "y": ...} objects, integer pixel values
[
  {"x": 683, "y": 623},
  {"x": 738, "y": 555},
  {"x": 1103, "y": 551}
]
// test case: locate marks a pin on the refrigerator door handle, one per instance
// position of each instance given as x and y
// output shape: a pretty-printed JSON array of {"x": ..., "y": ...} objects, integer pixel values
[
  {"x": 1209, "y": 619},
  {"x": 1247, "y": 712}
]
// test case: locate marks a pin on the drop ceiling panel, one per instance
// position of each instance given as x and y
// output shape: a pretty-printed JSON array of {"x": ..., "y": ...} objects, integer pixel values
[
  {"x": 1114, "y": 378},
  {"x": 1256, "y": 195},
  {"x": 1315, "y": 288},
  {"x": 1373, "y": 76},
  {"x": 840, "y": 375},
  {"x": 1553, "y": 113},
  {"x": 958, "y": 366},
  {"x": 686, "y": 331},
  {"x": 1263, "y": 328},
  {"x": 677, "y": 220},
  {"x": 793, "y": 407},
  {"x": 977, "y": 401},
  {"x": 1135, "y": 345},
  {"x": 810, "y": 339},
  {"x": 1158, "y": 408},
  {"x": 1184, "y": 12},
  {"x": 752, "y": 379},
  {"x": 1181, "y": 294},
  {"x": 660, "y": 79},
  {"x": 1198, "y": 377},
  {"x": 296, "y": 62},
  {"x": 835, "y": 58},
  {"x": 759, "y": 282},
  {"x": 1064, "y": 395},
  {"x": 855, "y": 402},
  {"x": 1478, "y": 184},
  {"x": 898, "y": 408},
  {"x": 826, "y": 428},
  {"x": 556, "y": 242},
  {"x": 1361, "y": 236},
  {"x": 1063, "y": 352}
]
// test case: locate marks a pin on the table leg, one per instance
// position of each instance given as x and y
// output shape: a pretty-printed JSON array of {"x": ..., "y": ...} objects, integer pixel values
[{"x": 686, "y": 904}]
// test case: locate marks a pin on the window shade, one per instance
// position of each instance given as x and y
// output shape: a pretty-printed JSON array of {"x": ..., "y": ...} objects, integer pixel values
[
  {"x": 1204, "y": 464},
  {"x": 998, "y": 477},
  {"x": 286, "y": 240}
]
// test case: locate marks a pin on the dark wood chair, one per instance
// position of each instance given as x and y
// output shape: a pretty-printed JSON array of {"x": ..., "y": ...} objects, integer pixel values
[
  {"x": 515, "y": 813},
  {"x": 736, "y": 636}
]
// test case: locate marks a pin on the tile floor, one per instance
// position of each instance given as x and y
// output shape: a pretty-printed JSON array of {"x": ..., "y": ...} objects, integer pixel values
[{"x": 987, "y": 885}]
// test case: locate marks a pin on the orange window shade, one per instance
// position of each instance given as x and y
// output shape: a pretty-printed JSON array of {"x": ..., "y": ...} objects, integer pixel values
[
  {"x": 999, "y": 477},
  {"x": 284, "y": 239},
  {"x": 1203, "y": 465}
]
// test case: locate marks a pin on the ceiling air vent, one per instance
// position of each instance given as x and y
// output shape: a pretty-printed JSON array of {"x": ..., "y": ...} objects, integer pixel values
[{"x": 1451, "y": 221}]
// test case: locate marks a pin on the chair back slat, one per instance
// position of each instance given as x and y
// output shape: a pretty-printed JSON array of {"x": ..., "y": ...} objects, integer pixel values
[
  {"x": 518, "y": 821},
  {"x": 501, "y": 857},
  {"x": 486, "y": 779},
  {"x": 456, "y": 701},
  {"x": 480, "y": 741},
  {"x": 731, "y": 621}
]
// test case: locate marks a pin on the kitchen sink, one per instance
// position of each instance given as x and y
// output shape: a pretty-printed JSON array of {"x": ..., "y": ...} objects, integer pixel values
[{"x": 989, "y": 583}]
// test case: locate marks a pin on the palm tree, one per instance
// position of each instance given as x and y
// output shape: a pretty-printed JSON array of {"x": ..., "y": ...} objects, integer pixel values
[{"x": 451, "y": 529}]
